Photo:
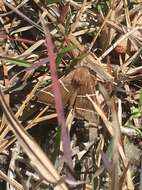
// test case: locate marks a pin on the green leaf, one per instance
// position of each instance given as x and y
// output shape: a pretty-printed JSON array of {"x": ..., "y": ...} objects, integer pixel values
[
  {"x": 15, "y": 61},
  {"x": 63, "y": 52},
  {"x": 52, "y": 1},
  {"x": 67, "y": 49},
  {"x": 136, "y": 112},
  {"x": 57, "y": 145},
  {"x": 110, "y": 149}
]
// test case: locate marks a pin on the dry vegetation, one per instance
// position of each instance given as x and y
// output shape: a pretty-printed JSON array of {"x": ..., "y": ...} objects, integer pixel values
[{"x": 70, "y": 94}]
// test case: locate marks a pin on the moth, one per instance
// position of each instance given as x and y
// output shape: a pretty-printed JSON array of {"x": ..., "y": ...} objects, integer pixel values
[{"x": 74, "y": 87}]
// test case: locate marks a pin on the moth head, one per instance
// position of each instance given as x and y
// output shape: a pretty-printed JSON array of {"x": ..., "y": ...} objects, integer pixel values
[{"x": 81, "y": 77}]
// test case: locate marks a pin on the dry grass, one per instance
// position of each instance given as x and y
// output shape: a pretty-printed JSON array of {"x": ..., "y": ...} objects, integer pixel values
[{"x": 98, "y": 53}]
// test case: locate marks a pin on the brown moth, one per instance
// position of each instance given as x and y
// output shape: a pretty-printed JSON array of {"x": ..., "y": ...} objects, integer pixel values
[{"x": 74, "y": 88}]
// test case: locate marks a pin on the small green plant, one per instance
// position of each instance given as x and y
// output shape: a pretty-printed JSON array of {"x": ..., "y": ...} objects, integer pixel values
[{"x": 136, "y": 113}]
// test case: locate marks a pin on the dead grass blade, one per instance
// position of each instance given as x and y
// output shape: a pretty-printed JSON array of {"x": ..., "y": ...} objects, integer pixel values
[
  {"x": 79, "y": 16},
  {"x": 41, "y": 163},
  {"x": 5, "y": 129},
  {"x": 12, "y": 182},
  {"x": 120, "y": 148},
  {"x": 33, "y": 47},
  {"x": 119, "y": 41},
  {"x": 102, "y": 115},
  {"x": 115, "y": 151},
  {"x": 22, "y": 15}
]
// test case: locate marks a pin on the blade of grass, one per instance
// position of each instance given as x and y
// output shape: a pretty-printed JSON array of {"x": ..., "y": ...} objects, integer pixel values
[
  {"x": 22, "y": 63},
  {"x": 58, "y": 100}
]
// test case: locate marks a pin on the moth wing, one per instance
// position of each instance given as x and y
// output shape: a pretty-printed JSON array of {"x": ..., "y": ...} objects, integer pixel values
[
  {"x": 90, "y": 89},
  {"x": 46, "y": 95},
  {"x": 83, "y": 107}
]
